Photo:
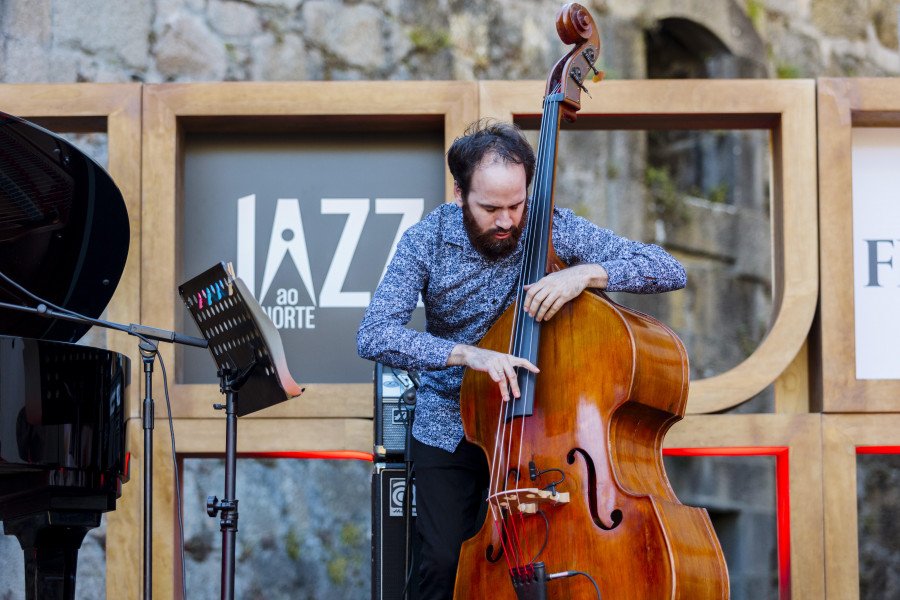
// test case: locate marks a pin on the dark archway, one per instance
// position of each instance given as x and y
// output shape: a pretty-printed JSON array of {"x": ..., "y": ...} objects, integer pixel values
[{"x": 683, "y": 49}]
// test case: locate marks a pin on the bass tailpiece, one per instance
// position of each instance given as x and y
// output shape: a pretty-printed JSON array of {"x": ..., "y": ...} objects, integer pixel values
[{"x": 530, "y": 581}]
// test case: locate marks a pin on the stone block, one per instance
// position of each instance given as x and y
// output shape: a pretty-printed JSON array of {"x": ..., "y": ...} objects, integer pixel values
[
  {"x": 119, "y": 30},
  {"x": 704, "y": 228},
  {"x": 27, "y": 62},
  {"x": 65, "y": 65},
  {"x": 290, "y": 5},
  {"x": 233, "y": 18},
  {"x": 280, "y": 60},
  {"x": 753, "y": 246},
  {"x": 188, "y": 50},
  {"x": 27, "y": 20},
  {"x": 352, "y": 33},
  {"x": 840, "y": 18}
]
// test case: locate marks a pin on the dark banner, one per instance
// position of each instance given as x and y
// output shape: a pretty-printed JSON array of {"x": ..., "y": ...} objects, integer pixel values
[{"x": 310, "y": 223}]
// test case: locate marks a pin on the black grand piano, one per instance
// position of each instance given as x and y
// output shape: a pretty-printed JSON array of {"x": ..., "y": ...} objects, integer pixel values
[{"x": 64, "y": 237}]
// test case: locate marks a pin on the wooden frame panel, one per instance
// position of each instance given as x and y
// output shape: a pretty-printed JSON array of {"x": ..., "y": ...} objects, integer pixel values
[
  {"x": 844, "y": 104},
  {"x": 801, "y": 435},
  {"x": 169, "y": 108},
  {"x": 787, "y": 109},
  {"x": 841, "y": 436},
  {"x": 330, "y": 417},
  {"x": 344, "y": 411},
  {"x": 116, "y": 110},
  {"x": 207, "y": 437}
]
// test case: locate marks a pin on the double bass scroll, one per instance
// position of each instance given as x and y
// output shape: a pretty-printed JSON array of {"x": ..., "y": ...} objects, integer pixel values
[{"x": 580, "y": 506}]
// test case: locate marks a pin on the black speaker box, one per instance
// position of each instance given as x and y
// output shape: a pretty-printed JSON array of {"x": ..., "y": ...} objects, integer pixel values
[
  {"x": 391, "y": 412},
  {"x": 389, "y": 534}
]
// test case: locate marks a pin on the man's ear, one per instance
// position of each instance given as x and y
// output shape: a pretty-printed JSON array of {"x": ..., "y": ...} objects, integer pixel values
[{"x": 457, "y": 194}]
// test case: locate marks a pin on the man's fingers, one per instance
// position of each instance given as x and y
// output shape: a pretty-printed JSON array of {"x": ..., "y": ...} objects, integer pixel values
[
  {"x": 529, "y": 296},
  {"x": 521, "y": 362},
  {"x": 546, "y": 296},
  {"x": 535, "y": 299},
  {"x": 501, "y": 368},
  {"x": 513, "y": 379},
  {"x": 549, "y": 311},
  {"x": 539, "y": 316},
  {"x": 504, "y": 391}
]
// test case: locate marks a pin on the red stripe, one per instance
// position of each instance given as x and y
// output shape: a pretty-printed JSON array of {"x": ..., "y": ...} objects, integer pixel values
[
  {"x": 782, "y": 495},
  {"x": 324, "y": 454},
  {"x": 878, "y": 450}
]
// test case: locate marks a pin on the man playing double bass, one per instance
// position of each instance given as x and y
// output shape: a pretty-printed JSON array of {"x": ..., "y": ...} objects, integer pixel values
[{"x": 464, "y": 258}]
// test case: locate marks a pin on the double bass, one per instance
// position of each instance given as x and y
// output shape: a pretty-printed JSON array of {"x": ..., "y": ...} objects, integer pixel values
[{"x": 580, "y": 506}]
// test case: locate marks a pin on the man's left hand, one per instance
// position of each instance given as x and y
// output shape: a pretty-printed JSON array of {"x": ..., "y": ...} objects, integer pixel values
[{"x": 550, "y": 293}]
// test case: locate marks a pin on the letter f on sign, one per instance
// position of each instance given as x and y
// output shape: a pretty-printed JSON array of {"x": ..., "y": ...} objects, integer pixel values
[{"x": 874, "y": 262}]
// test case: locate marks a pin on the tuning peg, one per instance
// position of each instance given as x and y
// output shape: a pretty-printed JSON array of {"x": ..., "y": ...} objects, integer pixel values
[
  {"x": 579, "y": 80},
  {"x": 588, "y": 54}
]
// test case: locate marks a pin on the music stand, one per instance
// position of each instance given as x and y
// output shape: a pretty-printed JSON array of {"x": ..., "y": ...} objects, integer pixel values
[{"x": 249, "y": 358}]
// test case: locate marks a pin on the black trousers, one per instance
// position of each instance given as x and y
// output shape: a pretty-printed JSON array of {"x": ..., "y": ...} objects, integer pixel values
[{"x": 449, "y": 492}]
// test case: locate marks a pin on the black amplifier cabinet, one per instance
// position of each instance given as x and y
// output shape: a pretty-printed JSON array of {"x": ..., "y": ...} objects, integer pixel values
[
  {"x": 391, "y": 412},
  {"x": 389, "y": 534}
]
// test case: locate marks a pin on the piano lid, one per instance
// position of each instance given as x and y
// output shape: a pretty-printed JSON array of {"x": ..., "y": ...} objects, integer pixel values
[{"x": 64, "y": 230}]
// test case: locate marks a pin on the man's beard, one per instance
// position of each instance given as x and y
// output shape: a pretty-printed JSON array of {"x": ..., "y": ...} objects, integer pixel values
[{"x": 486, "y": 243}]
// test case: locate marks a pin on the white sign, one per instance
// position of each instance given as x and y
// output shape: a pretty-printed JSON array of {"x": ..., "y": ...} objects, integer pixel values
[{"x": 876, "y": 251}]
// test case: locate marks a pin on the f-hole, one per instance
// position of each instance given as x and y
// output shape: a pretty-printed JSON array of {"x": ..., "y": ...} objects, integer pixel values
[
  {"x": 489, "y": 551},
  {"x": 615, "y": 517}
]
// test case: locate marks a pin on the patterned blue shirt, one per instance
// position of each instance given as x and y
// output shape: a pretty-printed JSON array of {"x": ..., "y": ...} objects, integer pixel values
[{"x": 465, "y": 293}]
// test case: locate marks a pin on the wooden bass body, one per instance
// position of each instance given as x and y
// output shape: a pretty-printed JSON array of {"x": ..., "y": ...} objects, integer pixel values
[{"x": 612, "y": 382}]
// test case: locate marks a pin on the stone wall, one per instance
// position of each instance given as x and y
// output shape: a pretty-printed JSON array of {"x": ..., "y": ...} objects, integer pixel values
[
  {"x": 272, "y": 40},
  {"x": 634, "y": 182}
]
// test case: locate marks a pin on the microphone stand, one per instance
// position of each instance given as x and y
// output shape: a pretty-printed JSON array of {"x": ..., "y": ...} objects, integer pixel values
[
  {"x": 229, "y": 384},
  {"x": 409, "y": 398},
  {"x": 148, "y": 352},
  {"x": 148, "y": 355}
]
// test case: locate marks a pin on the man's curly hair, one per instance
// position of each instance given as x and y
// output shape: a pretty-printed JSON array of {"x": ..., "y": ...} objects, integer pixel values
[{"x": 488, "y": 138}]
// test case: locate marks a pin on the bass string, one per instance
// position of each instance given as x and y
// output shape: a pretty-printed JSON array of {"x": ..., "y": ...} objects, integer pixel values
[
  {"x": 499, "y": 466},
  {"x": 536, "y": 237},
  {"x": 538, "y": 252}
]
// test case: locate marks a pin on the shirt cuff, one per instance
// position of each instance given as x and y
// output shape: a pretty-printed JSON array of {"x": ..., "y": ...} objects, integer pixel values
[
  {"x": 441, "y": 352},
  {"x": 615, "y": 276}
]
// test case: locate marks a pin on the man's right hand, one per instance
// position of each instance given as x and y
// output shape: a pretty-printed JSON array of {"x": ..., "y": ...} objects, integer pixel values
[{"x": 500, "y": 367}]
